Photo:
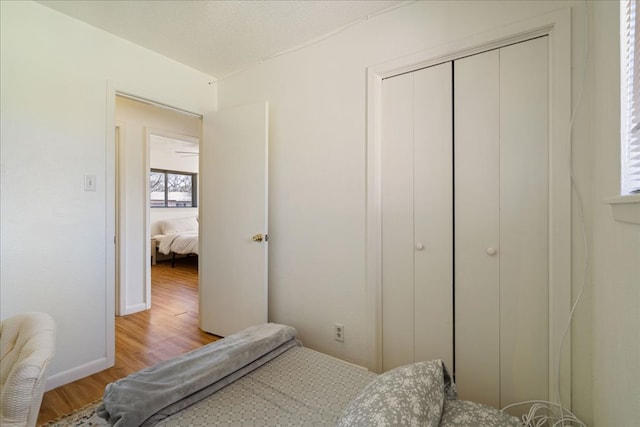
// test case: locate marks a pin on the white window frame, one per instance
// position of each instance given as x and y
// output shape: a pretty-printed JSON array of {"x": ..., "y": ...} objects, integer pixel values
[
  {"x": 194, "y": 188},
  {"x": 630, "y": 97},
  {"x": 626, "y": 206}
]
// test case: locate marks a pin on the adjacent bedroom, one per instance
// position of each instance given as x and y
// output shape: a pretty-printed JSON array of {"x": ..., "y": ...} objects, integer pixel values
[
  {"x": 158, "y": 188},
  {"x": 173, "y": 184}
]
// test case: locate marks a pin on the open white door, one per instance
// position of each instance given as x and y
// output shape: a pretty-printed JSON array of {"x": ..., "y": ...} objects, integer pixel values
[{"x": 233, "y": 219}]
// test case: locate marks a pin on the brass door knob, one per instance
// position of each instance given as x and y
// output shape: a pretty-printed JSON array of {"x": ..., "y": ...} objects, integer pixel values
[{"x": 258, "y": 237}]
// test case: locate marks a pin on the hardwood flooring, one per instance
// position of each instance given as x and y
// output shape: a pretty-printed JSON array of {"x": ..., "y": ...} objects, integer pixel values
[{"x": 143, "y": 339}]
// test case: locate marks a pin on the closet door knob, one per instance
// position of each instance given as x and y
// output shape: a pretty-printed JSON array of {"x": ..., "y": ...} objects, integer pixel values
[
  {"x": 491, "y": 251},
  {"x": 419, "y": 246}
]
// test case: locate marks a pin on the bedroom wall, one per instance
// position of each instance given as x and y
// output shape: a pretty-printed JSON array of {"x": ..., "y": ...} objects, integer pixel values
[
  {"x": 135, "y": 119},
  {"x": 54, "y": 77},
  {"x": 317, "y": 98},
  {"x": 616, "y": 245}
]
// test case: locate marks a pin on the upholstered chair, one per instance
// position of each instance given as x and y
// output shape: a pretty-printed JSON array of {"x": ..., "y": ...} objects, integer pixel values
[{"x": 27, "y": 343}]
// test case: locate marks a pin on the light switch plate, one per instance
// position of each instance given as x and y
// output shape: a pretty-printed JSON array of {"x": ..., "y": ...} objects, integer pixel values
[{"x": 89, "y": 183}]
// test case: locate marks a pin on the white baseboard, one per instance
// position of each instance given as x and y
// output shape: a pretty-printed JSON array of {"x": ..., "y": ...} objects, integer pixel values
[
  {"x": 74, "y": 374},
  {"x": 130, "y": 309}
]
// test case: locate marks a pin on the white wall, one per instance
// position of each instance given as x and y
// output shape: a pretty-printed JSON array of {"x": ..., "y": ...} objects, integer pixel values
[
  {"x": 54, "y": 78},
  {"x": 616, "y": 246},
  {"x": 317, "y": 98},
  {"x": 136, "y": 120}
]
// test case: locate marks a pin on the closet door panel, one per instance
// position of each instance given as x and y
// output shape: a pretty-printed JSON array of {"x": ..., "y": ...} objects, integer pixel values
[
  {"x": 433, "y": 213},
  {"x": 397, "y": 222},
  {"x": 477, "y": 220},
  {"x": 524, "y": 233}
]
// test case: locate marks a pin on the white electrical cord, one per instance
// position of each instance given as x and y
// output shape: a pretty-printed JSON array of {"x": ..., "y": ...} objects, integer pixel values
[{"x": 542, "y": 412}]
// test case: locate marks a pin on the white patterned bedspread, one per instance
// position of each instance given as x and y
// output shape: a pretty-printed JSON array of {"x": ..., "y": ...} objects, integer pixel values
[{"x": 300, "y": 387}]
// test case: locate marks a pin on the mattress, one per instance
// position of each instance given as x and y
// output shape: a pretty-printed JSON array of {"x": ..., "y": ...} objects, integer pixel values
[
  {"x": 179, "y": 243},
  {"x": 262, "y": 376},
  {"x": 299, "y": 387}
]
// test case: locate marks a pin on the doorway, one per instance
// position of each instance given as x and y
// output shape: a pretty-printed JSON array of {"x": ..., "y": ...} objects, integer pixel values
[{"x": 167, "y": 141}]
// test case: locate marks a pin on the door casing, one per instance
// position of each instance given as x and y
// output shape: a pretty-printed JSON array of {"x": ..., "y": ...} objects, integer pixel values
[
  {"x": 124, "y": 236},
  {"x": 156, "y": 98}
]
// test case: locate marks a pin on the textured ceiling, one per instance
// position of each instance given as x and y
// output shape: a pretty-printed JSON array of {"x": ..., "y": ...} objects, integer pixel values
[{"x": 220, "y": 37}]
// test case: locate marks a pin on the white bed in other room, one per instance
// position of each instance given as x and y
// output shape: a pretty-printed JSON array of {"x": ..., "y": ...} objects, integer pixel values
[{"x": 177, "y": 236}]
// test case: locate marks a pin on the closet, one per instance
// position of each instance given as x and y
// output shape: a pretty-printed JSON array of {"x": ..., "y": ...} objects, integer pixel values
[{"x": 465, "y": 229}]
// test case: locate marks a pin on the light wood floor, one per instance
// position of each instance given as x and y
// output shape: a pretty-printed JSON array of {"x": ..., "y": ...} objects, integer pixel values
[{"x": 143, "y": 339}]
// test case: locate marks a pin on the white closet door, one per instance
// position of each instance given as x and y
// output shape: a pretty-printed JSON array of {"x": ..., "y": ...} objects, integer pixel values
[
  {"x": 524, "y": 227},
  {"x": 477, "y": 232},
  {"x": 433, "y": 214},
  {"x": 417, "y": 217},
  {"x": 397, "y": 221},
  {"x": 501, "y": 226}
]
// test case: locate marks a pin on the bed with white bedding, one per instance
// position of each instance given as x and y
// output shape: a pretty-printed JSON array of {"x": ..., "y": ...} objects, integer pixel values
[
  {"x": 262, "y": 376},
  {"x": 184, "y": 243},
  {"x": 178, "y": 236}
]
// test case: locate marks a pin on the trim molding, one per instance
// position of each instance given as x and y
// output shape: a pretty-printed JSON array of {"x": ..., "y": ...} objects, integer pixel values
[
  {"x": 130, "y": 309},
  {"x": 156, "y": 97},
  {"x": 625, "y": 208},
  {"x": 557, "y": 26},
  {"x": 76, "y": 373}
]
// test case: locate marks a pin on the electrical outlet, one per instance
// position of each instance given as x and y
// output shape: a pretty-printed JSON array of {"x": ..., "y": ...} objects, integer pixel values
[{"x": 338, "y": 332}]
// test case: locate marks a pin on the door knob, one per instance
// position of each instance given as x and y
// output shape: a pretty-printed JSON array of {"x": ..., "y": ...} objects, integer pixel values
[
  {"x": 257, "y": 237},
  {"x": 419, "y": 246},
  {"x": 491, "y": 251}
]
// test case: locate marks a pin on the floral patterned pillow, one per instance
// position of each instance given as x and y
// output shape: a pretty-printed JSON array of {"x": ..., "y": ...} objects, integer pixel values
[{"x": 411, "y": 395}]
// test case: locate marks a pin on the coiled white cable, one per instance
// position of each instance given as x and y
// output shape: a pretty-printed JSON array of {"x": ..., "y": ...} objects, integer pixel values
[{"x": 543, "y": 413}]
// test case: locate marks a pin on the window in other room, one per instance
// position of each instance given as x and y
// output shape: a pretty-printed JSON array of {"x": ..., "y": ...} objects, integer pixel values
[{"x": 172, "y": 189}]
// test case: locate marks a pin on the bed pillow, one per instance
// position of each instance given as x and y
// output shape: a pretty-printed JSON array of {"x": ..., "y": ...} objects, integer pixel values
[
  {"x": 409, "y": 395},
  {"x": 179, "y": 225}
]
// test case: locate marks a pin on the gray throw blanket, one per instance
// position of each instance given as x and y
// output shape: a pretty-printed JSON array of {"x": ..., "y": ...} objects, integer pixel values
[{"x": 147, "y": 396}]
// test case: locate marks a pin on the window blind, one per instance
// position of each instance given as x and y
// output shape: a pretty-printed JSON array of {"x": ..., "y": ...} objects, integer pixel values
[{"x": 631, "y": 105}]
